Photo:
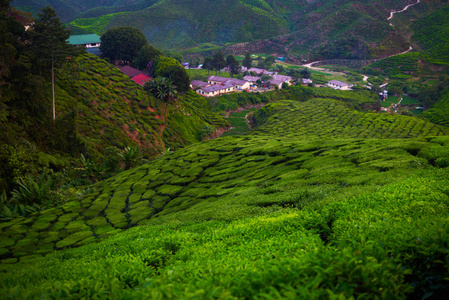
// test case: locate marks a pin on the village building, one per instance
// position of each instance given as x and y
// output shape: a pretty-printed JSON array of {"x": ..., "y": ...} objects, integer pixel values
[
  {"x": 86, "y": 40},
  {"x": 238, "y": 83},
  {"x": 137, "y": 76},
  {"x": 130, "y": 71},
  {"x": 92, "y": 42},
  {"x": 195, "y": 84},
  {"x": 338, "y": 85},
  {"x": 306, "y": 81},
  {"x": 251, "y": 79},
  {"x": 140, "y": 79},
  {"x": 216, "y": 89}
]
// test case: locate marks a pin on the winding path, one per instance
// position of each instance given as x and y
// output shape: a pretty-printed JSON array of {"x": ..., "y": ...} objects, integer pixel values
[
  {"x": 399, "y": 11},
  {"x": 365, "y": 78}
]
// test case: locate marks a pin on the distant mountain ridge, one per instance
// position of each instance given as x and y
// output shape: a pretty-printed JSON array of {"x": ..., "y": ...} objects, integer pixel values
[{"x": 294, "y": 28}]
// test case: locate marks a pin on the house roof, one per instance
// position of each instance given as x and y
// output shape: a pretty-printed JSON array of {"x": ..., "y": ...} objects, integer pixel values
[
  {"x": 282, "y": 77},
  {"x": 257, "y": 70},
  {"x": 251, "y": 78},
  {"x": 217, "y": 87},
  {"x": 276, "y": 81},
  {"x": 198, "y": 83},
  {"x": 225, "y": 79},
  {"x": 131, "y": 72},
  {"x": 83, "y": 39},
  {"x": 338, "y": 83},
  {"x": 140, "y": 79}
]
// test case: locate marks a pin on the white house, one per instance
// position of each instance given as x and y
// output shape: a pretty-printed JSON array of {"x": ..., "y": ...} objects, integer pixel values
[
  {"x": 238, "y": 83},
  {"x": 338, "y": 85},
  {"x": 216, "y": 89}
]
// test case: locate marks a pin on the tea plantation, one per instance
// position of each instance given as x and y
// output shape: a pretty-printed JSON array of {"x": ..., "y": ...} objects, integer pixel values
[{"x": 318, "y": 201}]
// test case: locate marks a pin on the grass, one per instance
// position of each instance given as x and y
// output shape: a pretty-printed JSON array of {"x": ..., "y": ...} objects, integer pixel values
[
  {"x": 317, "y": 193},
  {"x": 200, "y": 74},
  {"x": 439, "y": 112},
  {"x": 406, "y": 100}
]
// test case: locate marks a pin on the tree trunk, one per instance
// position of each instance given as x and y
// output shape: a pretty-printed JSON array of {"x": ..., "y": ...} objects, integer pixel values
[{"x": 53, "y": 88}]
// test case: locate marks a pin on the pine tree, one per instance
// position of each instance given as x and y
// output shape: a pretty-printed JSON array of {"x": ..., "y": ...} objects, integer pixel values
[
  {"x": 218, "y": 61},
  {"x": 49, "y": 44},
  {"x": 247, "y": 61}
]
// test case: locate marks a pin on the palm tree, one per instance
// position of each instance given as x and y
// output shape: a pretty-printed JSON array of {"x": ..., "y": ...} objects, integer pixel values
[{"x": 162, "y": 88}]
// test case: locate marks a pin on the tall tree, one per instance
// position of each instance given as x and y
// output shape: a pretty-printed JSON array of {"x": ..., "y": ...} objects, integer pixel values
[
  {"x": 247, "y": 61},
  {"x": 207, "y": 64},
  {"x": 265, "y": 79},
  {"x": 218, "y": 61},
  {"x": 269, "y": 61},
  {"x": 233, "y": 64},
  {"x": 122, "y": 43},
  {"x": 49, "y": 43},
  {"x": 306, "y": 73}
]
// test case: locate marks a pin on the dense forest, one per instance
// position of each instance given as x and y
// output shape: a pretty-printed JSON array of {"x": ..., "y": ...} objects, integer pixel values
[{"x": 114, "y": 190}]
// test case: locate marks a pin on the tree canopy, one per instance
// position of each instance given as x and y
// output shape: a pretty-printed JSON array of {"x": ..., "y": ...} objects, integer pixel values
[
  {"x": 146, "y": 54},
  {"x": 247, "y": 61},
  {"x": 233, "y": 64},
  {"x": 207, "y": 64},
  {"x": 171, "y": 68},
  {"x": 122, "y": 43},
  {"x": 218, "y": 61}
]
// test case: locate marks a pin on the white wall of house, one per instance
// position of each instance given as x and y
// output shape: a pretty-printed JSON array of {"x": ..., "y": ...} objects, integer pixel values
[{"x": 93, "y": 45}]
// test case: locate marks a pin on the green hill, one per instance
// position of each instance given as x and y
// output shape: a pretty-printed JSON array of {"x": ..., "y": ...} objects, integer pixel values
[
  {"x": 112, "y": 110},
  {"x": 316, "y": 194},
  {"x": 290, "y": 28},
  {"x": 439, "y": 112},
  {"x": 432, "y": 34}
]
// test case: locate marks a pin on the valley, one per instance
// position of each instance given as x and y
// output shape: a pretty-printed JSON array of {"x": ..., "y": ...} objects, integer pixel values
[{"x": 318, "y": 171}]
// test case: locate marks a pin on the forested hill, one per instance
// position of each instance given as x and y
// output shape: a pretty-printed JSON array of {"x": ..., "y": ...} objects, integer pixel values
[{"x": 284, "y": 27}]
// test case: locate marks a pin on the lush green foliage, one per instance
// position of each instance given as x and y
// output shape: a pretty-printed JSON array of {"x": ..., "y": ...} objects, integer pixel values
[
  {"x": 32, "y": 190},
  {"x": 122, "y": 43},
  {"x": 432, "y": 33},
  {"x": 146, "y": 55},
  {"x": 318, "y": 201},
  {"x": 301, "y": 216},
  {"x": 439, "y": 113}
]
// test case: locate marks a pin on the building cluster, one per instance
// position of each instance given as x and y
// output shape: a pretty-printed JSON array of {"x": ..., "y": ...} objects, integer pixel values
[{"x": 217, "y": 85}]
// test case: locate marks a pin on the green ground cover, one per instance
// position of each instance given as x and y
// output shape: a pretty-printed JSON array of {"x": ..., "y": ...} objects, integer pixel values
[
  {"x": 390, "y": 100},
  {"x": 406, "y": 100},
  {"x": 439, "y": 113},
  {"x": 238, "y": 122},
  {"x": 432, "y": 34},
  {"x": 318, "y": 201}
]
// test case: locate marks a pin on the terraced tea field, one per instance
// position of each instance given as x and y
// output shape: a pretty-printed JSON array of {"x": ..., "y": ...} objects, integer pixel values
[
  {"x": 324, "y": 119},
  {"x": 238, "y": 123},
  {"x": 294, "y": 143},
  {"x": 317, "y": 192}
]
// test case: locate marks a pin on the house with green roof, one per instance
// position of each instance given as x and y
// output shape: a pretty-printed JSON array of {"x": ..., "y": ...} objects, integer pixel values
[{"x": 87, "y": 40}]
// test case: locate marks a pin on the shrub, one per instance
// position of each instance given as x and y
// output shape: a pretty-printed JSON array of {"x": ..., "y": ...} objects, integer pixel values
[{"x": 34, "y": 191}]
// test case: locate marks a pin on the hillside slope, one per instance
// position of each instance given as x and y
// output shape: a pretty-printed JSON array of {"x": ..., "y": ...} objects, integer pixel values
[
  {"x": 338, "y": 28},
  {"x": 276, "y": 201},
  {"x": 439, "y": 112},
  {"x": 110, "y": 109}
]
